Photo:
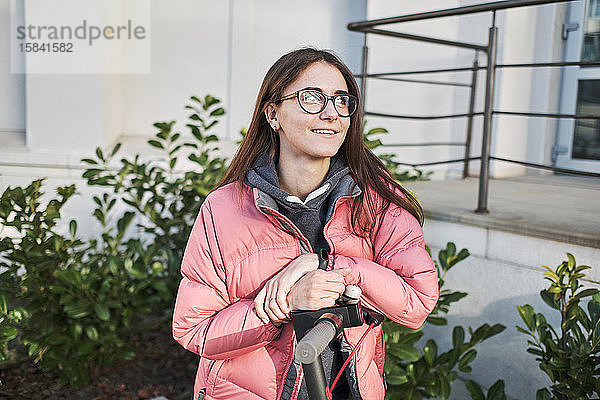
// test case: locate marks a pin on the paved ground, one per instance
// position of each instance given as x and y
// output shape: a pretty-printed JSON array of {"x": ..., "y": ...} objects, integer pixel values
[{"x": 562, "y": 208}]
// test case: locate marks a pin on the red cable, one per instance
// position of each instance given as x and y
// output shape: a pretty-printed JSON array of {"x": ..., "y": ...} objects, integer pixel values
[{"x": 327, "y": 389}]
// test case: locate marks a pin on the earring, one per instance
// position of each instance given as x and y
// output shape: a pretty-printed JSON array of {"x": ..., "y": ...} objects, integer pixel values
[{"x": 274, "y": 126}]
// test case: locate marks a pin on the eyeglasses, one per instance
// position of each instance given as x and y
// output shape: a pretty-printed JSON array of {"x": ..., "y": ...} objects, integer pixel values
[{"x": 314, "y": 102}]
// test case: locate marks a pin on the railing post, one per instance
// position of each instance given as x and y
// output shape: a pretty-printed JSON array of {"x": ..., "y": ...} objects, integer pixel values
[
  {"x": 471, "y": 110},
  {"x": 487, "y": 120},
  {"x": 363, "y": 79}
]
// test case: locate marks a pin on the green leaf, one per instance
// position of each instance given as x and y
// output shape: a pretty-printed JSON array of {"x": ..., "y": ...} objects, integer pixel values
[
  {"x": 7, "y": 333},
  {"x": 474, "y": 390},
  {"x": 527, "y": 315},
  {"x": 33, "y": 348},
  {"x": 523, "y": 330},
  {"x": 458, "y": 336},
  {"x": 555, "y": 289},
  {"x": 210, "y": 101},
  {"x": 571, "y": 263},
  {"x": 550, "y": 299},
  {"x": 430, "y": 352},
  {"x": 494, "y": 330},
  {"x": 115, "y": 149},
  {"x": 543, "y": 394},
  {"x": 99, "y": 154},
  {"x": 584, "y": 293},
  {"x": 444, "y": 387},
  {"x": 451, "y": 248},
  {"x": 467, "y": 358},
  {"x": 77, "y": 310},
  {"x": 496, "y": 391},
  {"x": 535, "y": 352},
  {"x": 3, "y": 304},
  {"x": 91, "y": 332},
  {"x": 217, "y": 112},
  {"x": 439, "y": 321},
  {"x": 102, "y": 311},
  {"x": 396, "y": 379},
  {"x": 124, "y": 222},
  {"x": 73, "y": 228},
  {"x": 443, "y": 258},
  {"x": 156, "y": 143},
  {"x": 550, "y": 273},
  {"x": 404, "y": 353},
  {"x": 594, "y": 311},
  {"x": 85, "y": 347}
]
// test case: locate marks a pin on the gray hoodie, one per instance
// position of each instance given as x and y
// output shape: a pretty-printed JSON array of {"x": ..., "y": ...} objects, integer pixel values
[{"x": 311, "y": 215}]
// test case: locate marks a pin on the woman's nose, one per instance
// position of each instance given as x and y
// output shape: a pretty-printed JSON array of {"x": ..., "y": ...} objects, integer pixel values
[{"x": 329, "y": 112}]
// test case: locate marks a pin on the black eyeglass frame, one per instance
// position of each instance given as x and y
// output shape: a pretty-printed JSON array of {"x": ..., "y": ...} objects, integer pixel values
[{"x": 296, "y": 95}]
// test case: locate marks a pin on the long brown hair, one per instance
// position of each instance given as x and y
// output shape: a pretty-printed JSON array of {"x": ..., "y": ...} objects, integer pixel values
[{"x": 366, "y": 168}]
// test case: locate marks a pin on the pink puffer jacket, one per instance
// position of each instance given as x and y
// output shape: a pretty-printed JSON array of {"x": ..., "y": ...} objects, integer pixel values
[{"x": 234, "y": 248}]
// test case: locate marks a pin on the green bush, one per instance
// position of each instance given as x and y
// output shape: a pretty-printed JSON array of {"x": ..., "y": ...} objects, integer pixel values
[
  {"x": 165, "y": 200},
  {"x": 75, "y": 304},
  {"x": 569, "y": 355},
  {"x": 77, "y": 299},
  {"x": 411, "y": 374}
]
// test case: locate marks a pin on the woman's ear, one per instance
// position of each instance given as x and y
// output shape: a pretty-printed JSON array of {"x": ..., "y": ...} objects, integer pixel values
[{"x": 271, "y": 116}]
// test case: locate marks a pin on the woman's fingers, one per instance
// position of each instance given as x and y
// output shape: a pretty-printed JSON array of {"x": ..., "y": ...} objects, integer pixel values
[
  {"x": 281, "y": 300},
  {"x": 259, "y": 302},
  {"x": 272, "y": 303},
  {"x": 316, "y": 290},
  {"x": 273, "y": 311}
]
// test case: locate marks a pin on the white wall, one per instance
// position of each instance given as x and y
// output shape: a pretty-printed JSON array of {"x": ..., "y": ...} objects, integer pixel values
[
  {"x": 225, "y": 48},
  {"x": 12, "y": 86},
  {"x": 503, "y": 271},
  {"x": 222, "y": 48}
]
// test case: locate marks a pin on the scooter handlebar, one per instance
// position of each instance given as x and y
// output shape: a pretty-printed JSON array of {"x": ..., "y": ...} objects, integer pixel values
[{"x": 316, "y": 339}]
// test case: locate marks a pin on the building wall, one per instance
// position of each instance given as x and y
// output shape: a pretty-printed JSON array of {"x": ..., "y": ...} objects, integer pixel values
[
  {"x": 224, "y": 48},
  {"x": 206, "y": 47},
  {"x": 12, "y": 86},
  {"x": 503, "y": 271}
]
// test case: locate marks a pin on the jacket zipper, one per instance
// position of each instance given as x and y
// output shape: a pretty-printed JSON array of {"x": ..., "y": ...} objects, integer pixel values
[
  {"x": 305, "y": 247},
  {"x": 302, "y": 238},
  {"x": 335, "y": 206}
]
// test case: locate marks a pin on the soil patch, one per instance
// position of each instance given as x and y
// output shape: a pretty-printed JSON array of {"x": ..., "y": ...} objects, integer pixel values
[{"x": 161, "y": 368}]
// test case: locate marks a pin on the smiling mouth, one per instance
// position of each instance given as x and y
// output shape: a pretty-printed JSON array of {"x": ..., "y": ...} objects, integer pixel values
[{"x": 328, "y": 132}]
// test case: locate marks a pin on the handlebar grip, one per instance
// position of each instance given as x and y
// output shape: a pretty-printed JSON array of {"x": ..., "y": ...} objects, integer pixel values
[{"x": 315, "y": 341}]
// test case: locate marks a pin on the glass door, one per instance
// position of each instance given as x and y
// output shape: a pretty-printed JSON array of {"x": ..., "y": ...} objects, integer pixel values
[{"x": 578, "y": 141}]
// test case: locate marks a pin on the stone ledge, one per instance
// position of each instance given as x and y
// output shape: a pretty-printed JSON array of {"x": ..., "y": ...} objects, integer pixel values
[{"x": 565, "y": 209}]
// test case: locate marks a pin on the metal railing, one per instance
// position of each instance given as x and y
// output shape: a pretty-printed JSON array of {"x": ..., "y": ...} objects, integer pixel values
[{"x": 490, "y": 49}]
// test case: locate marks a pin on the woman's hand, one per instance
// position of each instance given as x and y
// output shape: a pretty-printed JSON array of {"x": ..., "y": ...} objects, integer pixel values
[
  {"x": 318, "y": 289},
  {"x": 271, "y": 301}
]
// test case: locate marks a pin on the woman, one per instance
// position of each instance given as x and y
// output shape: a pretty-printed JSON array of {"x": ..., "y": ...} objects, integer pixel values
[{"x": 302, "y": 181}]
